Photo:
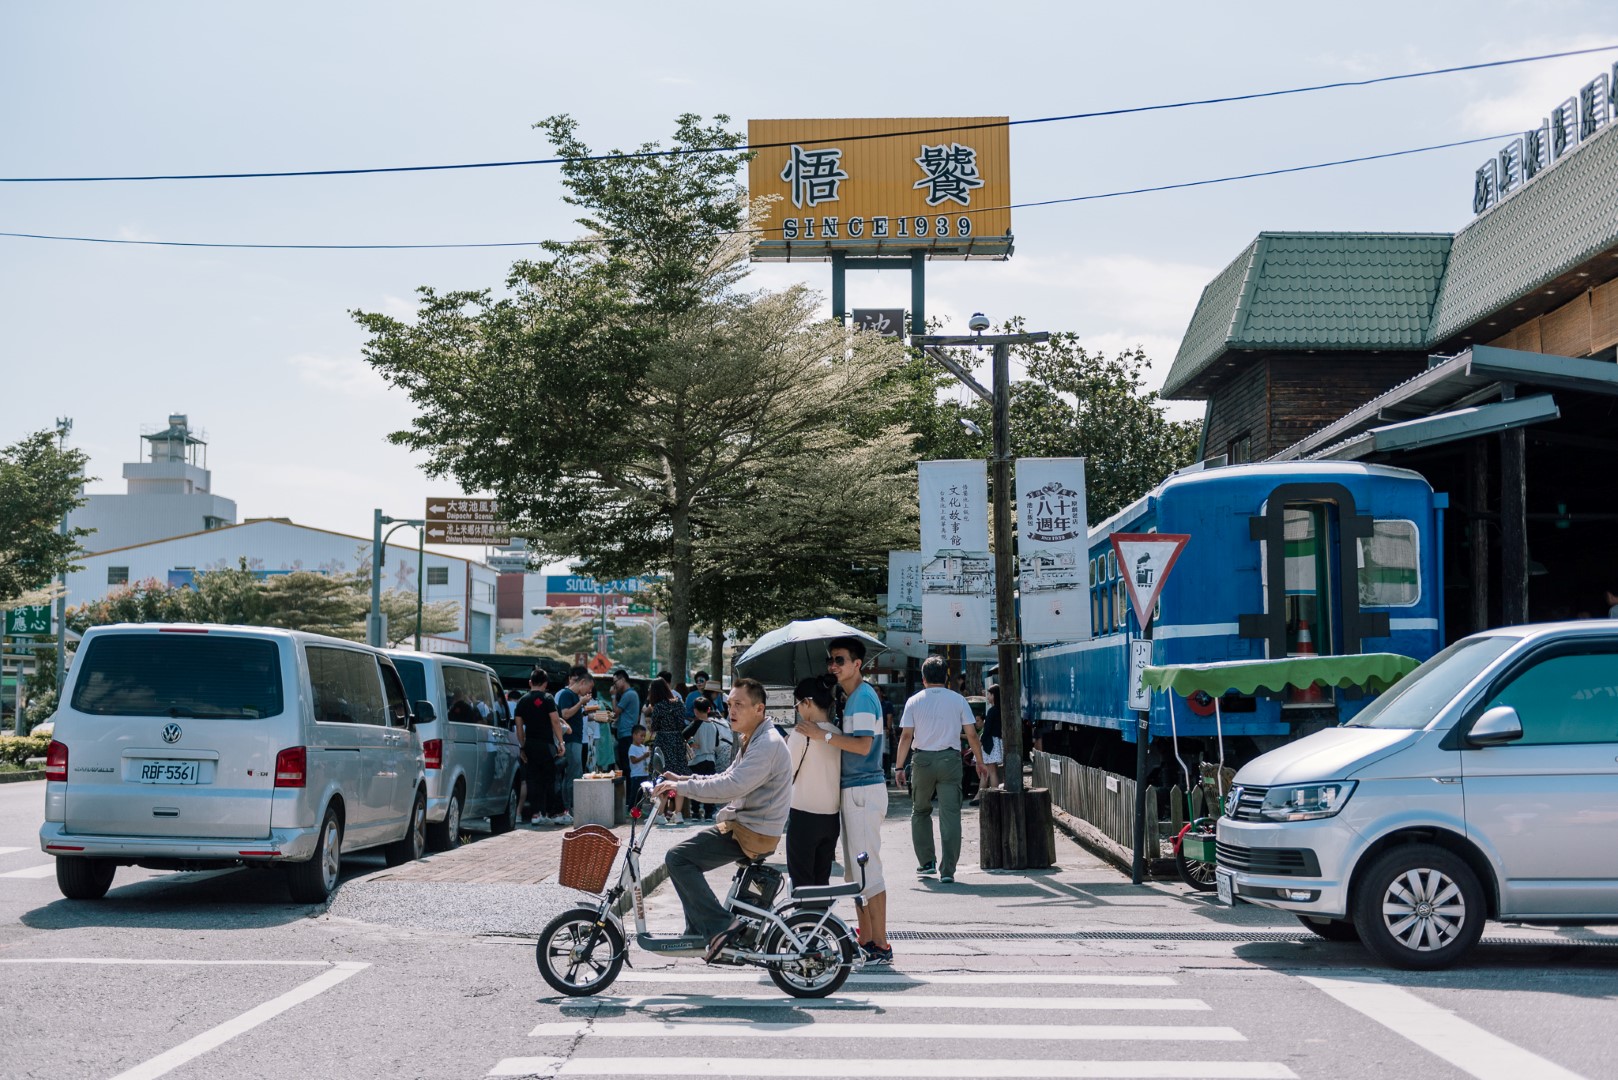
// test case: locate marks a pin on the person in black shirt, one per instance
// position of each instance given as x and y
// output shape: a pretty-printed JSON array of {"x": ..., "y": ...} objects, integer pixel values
[
  {"x": 994, "y": 750},
  {"x": 540, "y": 736}
]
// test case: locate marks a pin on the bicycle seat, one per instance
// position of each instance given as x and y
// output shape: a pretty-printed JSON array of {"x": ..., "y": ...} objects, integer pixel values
[
  {"x": 748, "y": 860},
  {"x": 825, "y": 892}
]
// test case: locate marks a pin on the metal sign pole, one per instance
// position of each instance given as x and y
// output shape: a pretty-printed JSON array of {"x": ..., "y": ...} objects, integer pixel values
[{"x": 1143, "y": 735}]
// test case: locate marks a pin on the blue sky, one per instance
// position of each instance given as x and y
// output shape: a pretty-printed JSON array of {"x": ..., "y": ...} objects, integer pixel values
[{"x": 257, "y": 347}]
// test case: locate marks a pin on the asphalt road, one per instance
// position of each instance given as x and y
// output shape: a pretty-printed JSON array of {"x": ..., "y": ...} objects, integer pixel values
[{"x": 220, "y": 975}]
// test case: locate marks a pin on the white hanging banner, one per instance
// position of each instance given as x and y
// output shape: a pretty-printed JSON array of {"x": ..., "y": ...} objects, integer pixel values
[
  {"x": 1053, "y": 579},
  {"x": 957, "y": 579},
  {"x": 1144, "y": 562},
  {"x": 904, "y": 604}
]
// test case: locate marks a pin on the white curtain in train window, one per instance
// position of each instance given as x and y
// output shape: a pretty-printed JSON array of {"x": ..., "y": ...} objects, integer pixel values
[
  {"x": 957, "y": 580},
  {"x": 1053, "y": 571},
  {"x": 904, "y": 604}
]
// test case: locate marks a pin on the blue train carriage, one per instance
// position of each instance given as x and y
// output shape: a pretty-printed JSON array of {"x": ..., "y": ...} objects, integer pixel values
[{"x": 1284, "y": 559}]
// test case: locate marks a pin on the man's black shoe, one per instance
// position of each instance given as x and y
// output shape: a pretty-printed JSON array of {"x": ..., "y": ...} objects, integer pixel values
[{"x": 724, "y": 939}]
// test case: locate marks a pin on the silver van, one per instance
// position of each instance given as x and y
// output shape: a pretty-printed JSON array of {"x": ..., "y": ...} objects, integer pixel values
[
  {"x": 182, "y": 747},
  {"x": 466, "y": 738},
  {"x": 1483, "y": 785}
]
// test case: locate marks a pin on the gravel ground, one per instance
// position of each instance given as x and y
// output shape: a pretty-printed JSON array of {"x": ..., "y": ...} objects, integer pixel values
[{"x": 479, "y": 909}]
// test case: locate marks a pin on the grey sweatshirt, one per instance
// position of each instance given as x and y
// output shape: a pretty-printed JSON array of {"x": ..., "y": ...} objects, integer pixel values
[{"x": 757, "y": 786}]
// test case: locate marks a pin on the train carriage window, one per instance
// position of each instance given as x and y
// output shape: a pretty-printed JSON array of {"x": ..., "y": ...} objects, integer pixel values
[
  {"x": 1309, "y": 590},
  {"x": 1389, "y": 565},
  {"x": 1120, "y": 605}
]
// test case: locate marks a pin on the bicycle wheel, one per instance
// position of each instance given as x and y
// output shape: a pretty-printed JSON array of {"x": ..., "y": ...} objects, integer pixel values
[
  {"x": 576, "y": 957},
  {"x": 827, "y": 958},
  {"x": 1194, "y": 872}
]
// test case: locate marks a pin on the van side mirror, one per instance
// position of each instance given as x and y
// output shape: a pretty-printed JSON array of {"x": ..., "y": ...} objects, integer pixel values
[
  {"x": 1496, "y": 727},
  {"x": 425, "y": 713}
]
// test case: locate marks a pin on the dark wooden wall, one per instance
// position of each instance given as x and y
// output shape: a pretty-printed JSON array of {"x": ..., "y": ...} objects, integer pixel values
[{"x": 1278, "y": 399}]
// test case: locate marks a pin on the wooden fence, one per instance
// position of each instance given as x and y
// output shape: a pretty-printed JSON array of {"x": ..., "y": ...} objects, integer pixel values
[{"x": 1103, "y": 799}]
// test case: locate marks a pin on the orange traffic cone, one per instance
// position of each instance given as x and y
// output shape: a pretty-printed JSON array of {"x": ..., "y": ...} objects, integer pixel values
[{"x": 1314, "y": 693}]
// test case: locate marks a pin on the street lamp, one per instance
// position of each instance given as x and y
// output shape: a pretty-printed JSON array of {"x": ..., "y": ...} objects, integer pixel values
[{"x": 376, "y": 625}]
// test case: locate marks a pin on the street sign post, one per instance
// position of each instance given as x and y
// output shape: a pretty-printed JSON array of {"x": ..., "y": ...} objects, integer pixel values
[
  {"x": 31, "y": 621},
  {"x": 1144, "y": 562},
  {"x": 460, "y": 520}
]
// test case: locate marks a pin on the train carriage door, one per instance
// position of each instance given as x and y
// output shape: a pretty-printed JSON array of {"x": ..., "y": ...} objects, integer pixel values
[{"x": 1310, "y": 536}]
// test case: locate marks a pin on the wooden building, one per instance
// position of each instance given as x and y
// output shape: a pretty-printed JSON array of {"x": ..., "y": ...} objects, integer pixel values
[{"x": 1484, "y": 360}]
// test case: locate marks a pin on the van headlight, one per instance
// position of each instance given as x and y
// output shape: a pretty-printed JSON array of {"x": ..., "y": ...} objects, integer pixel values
[{"x": 1305, "y": 802}]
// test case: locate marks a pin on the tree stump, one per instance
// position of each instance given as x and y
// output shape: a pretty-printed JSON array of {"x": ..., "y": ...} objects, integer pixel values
[{"x": 1016, "y": 831}]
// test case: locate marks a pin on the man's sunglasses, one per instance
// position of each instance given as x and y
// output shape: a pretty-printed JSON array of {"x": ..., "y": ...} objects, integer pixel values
[{"x": 838, "y": 661}]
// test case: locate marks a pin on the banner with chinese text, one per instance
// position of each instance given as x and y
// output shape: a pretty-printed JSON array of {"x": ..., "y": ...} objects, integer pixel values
[
  {"x": 957, "y": 573},
  {"x": 904, "y": 604},
  {"x": 1053, "y": 579}
]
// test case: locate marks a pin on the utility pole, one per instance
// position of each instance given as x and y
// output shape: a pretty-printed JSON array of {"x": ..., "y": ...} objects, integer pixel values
[
  {"x": 376, "y": 623},
  {"x": 64, "y": 427},
  {"x": 1012, "y": 824}
]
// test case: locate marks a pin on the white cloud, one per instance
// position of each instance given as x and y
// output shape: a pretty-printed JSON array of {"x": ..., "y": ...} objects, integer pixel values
[
  {"x": 1516, "y": 99},
  {"x": 348, "y": 377},
  {"x": 398, "y": 307}
]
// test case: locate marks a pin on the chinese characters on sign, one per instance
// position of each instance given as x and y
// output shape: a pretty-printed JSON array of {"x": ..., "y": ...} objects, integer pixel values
[
  {"x": 904, "y": 604},
  {"x": 889, "y": 322},
  {"x": 813, "y": 175},
  {"x": 1535, "y": 150},
  {"x": 939, "y": 184},
  {"x": 1053, "y": 550},
  {"x": 952, "y": 173},
  {"x": 957, "y": 579},
  {"x": 28, "y": 621},
  {"x": 460, "y": 520}
]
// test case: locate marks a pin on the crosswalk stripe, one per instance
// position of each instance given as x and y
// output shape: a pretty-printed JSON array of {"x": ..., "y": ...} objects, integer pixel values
[
  {"x": 904, "y": 978},
  {"x": 885, "y": 1068},
  {"x": 13, "y": 850},
  {"x": 902, "y": 1001},
  {"x": 823, "y": 1029},
  {"x": 32, "y": 872}
]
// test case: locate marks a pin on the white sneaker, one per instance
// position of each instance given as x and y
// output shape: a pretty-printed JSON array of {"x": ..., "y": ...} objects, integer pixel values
[
  {"x": 679, "y": 819},
  {"x": 564, "y": 819}
]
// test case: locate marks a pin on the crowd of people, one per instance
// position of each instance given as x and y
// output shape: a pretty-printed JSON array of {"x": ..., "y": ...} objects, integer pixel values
[{"x": 820, "y": 782}]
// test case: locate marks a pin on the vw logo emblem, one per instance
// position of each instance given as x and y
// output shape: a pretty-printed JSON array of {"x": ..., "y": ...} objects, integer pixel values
[{"x": 171, "y": 733}]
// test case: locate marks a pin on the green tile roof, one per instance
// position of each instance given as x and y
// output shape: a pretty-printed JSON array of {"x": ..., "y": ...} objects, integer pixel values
[
  {"x": 1403, "y": 291},
  {"x": 1567, "y": 215},
  {"x": 1316, "y": 291}
]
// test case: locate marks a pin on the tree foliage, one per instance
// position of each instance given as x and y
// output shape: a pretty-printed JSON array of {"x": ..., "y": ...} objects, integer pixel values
[
  {"x": 39, "y": 483},
  {"x": 318, "y": 603},
  {"x": 632, "y": 407}
]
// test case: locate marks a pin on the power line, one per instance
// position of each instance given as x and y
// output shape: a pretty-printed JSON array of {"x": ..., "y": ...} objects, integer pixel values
[
  {"x": 749, "y": 147},
  {"x": 743, "y": 232}
]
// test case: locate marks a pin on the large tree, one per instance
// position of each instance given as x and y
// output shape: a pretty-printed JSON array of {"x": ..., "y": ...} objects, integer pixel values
[
  {"x": 631, "y": 406},
  {"x": 40, "y": 481}
]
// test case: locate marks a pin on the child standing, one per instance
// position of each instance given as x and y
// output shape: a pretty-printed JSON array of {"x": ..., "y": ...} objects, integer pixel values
[{"x": 640, "y": 759}]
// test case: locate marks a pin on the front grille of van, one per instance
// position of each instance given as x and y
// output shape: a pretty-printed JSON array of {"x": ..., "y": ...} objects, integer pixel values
[
  {"x": 1245, "y": 803},
  {"x": 1293, "y": 862}
]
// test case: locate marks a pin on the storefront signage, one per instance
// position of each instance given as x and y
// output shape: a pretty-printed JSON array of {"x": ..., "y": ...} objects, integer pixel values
[
  {"x": 1530, "y": 154},
  {"x": 939, "y": 184}
]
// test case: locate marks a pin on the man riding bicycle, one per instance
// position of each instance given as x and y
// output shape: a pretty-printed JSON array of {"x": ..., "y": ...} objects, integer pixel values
[{"x": 757, "y": 792}]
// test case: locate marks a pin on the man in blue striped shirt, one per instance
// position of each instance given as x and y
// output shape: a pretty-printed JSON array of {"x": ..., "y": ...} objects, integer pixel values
[{"x": 865, "y": 790}]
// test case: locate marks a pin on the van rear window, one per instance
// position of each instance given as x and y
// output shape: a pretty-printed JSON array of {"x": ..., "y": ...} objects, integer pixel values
[{"x": 197, "y": 675}]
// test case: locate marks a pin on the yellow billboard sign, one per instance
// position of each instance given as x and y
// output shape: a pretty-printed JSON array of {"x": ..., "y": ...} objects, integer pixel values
[{"x": 885, "y": 186}]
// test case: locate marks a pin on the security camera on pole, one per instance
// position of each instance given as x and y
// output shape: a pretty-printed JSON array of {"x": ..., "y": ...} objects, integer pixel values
[{"x": 1014, "y": 823}]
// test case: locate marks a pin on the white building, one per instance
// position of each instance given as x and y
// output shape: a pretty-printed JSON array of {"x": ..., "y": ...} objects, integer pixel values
[
  {"x": 170, "y": 492},
  {"x": 275, "y": 545}
]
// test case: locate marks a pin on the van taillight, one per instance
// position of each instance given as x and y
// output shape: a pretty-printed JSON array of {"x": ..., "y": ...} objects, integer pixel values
[
  {"x": 433, "y": 751},
  {"x": 291, "y": 765},
  {"x": 56, "y": 761}
]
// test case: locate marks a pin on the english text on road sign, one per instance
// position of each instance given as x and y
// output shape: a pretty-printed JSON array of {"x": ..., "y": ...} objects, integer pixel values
[
  {"x": 460, "y": 520},
  {"x": 1144, "y": 562}
]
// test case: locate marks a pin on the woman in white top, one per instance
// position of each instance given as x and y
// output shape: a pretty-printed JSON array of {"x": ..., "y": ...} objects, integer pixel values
[{"x": 813, "y": 824}]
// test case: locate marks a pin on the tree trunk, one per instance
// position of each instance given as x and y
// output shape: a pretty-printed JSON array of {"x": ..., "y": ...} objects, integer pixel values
[
  {"x": 680, "y": 592},
  {"x": 716, "y": 653}
]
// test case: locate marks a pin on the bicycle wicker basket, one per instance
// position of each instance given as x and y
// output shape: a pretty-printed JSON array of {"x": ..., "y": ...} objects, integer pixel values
[{"x": 587, "y": 856}]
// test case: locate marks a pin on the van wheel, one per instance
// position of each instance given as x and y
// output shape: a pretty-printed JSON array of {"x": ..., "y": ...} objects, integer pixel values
[
  {"x": 446, "y": 835},
  {"x": 84, "y": 879},
  {"x": 313, "y": 880},
  {"x": 410, "y": 846},
  {"x": 506, "y": 820},
  {"x": 1330, "y": 929},
  {"x": 1419, "y": 906}
]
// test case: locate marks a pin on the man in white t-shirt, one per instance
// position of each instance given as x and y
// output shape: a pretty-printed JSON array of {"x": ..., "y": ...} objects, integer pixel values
[{"x": 933, "y": 723}]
